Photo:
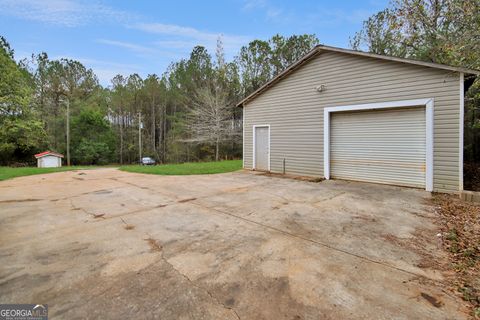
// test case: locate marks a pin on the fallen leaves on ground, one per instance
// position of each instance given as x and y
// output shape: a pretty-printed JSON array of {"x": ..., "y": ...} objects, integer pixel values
[{"x": 460, "y": 232}]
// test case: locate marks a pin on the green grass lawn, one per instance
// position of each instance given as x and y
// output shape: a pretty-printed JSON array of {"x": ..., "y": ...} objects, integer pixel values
[
  {"x": 9, "y": 172},
  {"x": 167, "y": 169},
  {"x": 187, "y": 168}
]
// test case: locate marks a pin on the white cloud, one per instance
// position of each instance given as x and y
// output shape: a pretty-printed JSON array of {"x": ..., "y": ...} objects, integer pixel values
[
  {"x": 74, "y": 13},
  {"x": 182, "y": 36},
  {"x": 320, "y": 15},
  {"x": 176, "y": 44},
  {"x": 188, "y": 32},
  {"x": 272, "y": 12},
  {"x": 254, "y": 4},
  {"x": 127, "y": 45},
  {"x": 89, "y": 62},
  {"x": 106, "y": 70},
  {"x": 171, "y": 29},
  {"x": 165, "y": 50},
  {"x": 105, "y": 75},
  {"x": 170, "y": 41},
  {"x": 337, "y": 16},
  {"x": 67, "y": 13}
]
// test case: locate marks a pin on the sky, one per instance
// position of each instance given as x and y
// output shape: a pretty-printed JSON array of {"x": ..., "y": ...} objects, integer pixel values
[{"x": 144, "y": 37}]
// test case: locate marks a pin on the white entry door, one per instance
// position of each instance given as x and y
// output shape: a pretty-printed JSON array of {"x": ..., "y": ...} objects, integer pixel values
[{"x": 261, "y": 156}]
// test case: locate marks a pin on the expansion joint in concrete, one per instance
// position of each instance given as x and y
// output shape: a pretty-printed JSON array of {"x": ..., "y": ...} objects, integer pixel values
[{"x": 196, "y": 285}]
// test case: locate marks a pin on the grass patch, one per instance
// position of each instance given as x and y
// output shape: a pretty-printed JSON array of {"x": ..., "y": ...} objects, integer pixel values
[
  {"x": 188, "y": 168},
  {"x": 9, "y": 172}
]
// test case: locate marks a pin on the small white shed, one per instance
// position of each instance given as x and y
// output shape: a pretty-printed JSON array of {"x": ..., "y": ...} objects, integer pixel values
[{"x": 49, "y": 159}]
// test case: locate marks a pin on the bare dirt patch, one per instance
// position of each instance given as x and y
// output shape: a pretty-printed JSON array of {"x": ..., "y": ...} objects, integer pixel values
[
  {"x": 154, "y": 245},
  {"x": 433, "y": 301},
  {"x": 428, "y": 260},
  {"x": 127, "y": 226}
]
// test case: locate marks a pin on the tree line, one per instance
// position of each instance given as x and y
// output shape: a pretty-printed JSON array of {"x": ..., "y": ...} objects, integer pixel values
[
  {"x": 440, "y": 31},
  {"x": 186, "y": 114}
]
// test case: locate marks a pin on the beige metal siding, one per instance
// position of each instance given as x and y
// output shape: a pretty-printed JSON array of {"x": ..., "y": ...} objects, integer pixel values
[
  {"x": 294, "y": 109},
  {"x": 381, "y": 146}
]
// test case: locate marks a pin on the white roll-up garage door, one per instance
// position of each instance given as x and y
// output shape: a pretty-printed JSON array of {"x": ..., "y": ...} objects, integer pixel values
[{"x": 382, "y": 146}]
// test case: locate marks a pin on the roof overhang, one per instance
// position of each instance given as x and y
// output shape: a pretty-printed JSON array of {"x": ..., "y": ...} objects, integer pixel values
[
  {"x": 321, "y": 48},
  {"x": 48, "y": 153}
]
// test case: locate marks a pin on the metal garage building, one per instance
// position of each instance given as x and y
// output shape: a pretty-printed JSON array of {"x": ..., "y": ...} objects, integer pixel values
[{"x": 352, "y": 115}]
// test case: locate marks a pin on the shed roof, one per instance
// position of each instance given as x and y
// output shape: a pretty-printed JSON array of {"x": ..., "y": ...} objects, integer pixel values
[
  {"x": 48, "y": 153},
  {"x": 322, "y": 48}
]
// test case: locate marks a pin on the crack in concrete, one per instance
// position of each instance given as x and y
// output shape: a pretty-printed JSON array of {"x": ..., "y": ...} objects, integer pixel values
[
  {"x": 180, "y": 200},
  {"x": 331, "y": 197},
  {"x": 142, "y": 210},
  {"x": 19, "y": 200},
  {"x": 314, "y": 242},
  {"x": 291, "y": 234},
  {"x": 280, "y": 230},
  {"x": 133, "y": 184},
  {"x": 103, "y": 292},
  {"x": 83, "y": 194},
  {"x": 94, "y": 215},
  {"x": 162, "y": 257}
]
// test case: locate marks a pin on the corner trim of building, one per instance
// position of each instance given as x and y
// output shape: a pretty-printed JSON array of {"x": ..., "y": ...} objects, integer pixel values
[
  {"x": 427, "y": 103},
  {"x": 243, "y": 137},
  {"x": 461, "y": 133}
]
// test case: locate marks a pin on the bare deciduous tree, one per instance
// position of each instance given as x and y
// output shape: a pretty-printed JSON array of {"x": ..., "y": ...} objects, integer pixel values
[{"x": 210, "y": 116}]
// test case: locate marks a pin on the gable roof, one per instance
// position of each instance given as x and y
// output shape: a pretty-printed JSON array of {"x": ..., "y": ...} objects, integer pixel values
[
  {"x": 48, "y": 153},
  {"x": 322, "y": 48}
]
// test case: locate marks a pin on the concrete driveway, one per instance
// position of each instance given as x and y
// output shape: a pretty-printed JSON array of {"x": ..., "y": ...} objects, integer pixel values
[{"x": 109, "y": 244}]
